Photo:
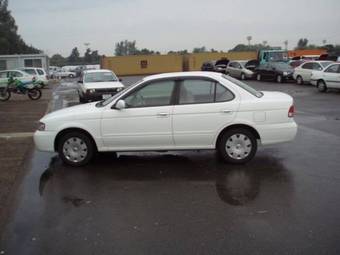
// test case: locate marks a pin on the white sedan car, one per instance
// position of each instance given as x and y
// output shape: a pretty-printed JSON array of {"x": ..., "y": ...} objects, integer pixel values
[
  {"x": 174, "y": 111},
  {"x": 328, "y": 78},
  {"x": 303, "y": 73},
  {"x": 96, "y": 85},
  {"x": 39, "y": 74},
  {"x": 65, "y": 74}
]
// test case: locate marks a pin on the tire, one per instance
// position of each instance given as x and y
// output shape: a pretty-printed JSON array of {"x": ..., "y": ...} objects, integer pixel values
[
  {"x": 237, "y": 146},
  {"x": 82, "y": 100},
  {"x": 76, "y": 149},
  {"x": 258, "y": 77},
  {"x": 243, "y": 77},
  {"x": 34, "y": 94},
  {"x": 322, "y": 86},
  {"x": 5, "y": 95},
  {"x": 279, "y": 78},
  {"x": 299, "y": 80}
]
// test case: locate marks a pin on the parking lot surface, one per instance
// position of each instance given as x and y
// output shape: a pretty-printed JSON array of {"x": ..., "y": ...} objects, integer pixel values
[{"x": 285, "y": 201}]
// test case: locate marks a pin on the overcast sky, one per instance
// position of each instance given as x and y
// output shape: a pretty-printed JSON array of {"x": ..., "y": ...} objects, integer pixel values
[{"x": 56, "y": 26}]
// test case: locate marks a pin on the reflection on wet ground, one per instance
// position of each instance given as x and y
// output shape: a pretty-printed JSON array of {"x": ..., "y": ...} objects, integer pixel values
[{"x": 235, "y": 185}]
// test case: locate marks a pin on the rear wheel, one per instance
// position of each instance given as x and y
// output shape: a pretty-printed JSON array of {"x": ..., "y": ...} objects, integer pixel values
[
  {"x": 34, "y": 94},
  {"x": 243, "y": 76},
  {"x": 76, "y": 148},
  {"x": 237, "y": 146},
  {"x": 322, "y": 86},
  {"x": 258, "y": 77},
  {"x": 4, "y": 95},
  {"x": 299, "y": 80}
]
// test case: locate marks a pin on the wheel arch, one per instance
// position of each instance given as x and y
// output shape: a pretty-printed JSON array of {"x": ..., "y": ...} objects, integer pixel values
[
  {"x": 72, "y": 129},
  {"x": 237, "y": 126}
]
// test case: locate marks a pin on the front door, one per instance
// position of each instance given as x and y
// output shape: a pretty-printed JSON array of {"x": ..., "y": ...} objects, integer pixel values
[
  {"x": 145, "y": 123},
  {"x": 204, "y": 107},
  {"x": 332, "y": 76}
]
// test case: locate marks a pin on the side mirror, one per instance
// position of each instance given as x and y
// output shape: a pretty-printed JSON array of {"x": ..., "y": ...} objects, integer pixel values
[{"x": 120, "y": 105}]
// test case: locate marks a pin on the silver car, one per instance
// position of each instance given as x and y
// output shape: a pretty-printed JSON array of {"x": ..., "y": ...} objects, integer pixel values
[{"x": 238, "y": 69}]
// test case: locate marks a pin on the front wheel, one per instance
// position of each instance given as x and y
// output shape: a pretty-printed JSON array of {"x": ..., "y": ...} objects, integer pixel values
[
  {"x": 322, "y": 86},
  {"x": 237, "y": 146},
  {"x": 279, "y": 78},
  {"x": 5, "y": 95},
  {"x": 258, "y": 77},
  {"x": 299, "y": 80},
  {"x": 75, "y": 149},
  {"x": 34, "y": 94}
]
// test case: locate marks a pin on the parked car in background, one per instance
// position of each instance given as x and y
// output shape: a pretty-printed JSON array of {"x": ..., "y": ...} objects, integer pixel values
[
  {"x": 303, "y": 73},
  {"x": 52, "y": 70},
  {"x": 276, "y": 71},
  {"x": 221, "y": 65},
  {"x": 208, "y": 66},
  {"x": 237, "y": 69},
  {"x": 65, "y": 74},
  {"x": 173, "y": 111},
  {"x": 39, "y": 74},
  {"x": 17, "y": 74},
  {"x": 328, "y": 78},
  {"x": 98, "y": 84}
]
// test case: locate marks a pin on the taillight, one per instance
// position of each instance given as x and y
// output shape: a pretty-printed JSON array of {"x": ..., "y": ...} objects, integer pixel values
[{"x": 291, "y": 112}]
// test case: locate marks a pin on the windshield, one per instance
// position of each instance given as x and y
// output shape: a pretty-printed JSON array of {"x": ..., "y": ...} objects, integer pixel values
[
  {"x": 244, "y": 86},
  {"x": 99, "y": 77}
]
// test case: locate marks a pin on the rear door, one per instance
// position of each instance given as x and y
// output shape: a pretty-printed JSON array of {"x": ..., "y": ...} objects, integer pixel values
[
  {"x": 332, "y": 76},
  {"x": 3, "y": 79},
  {"x": 203, "y": 107},
  {"x": 306, "y": 71}
]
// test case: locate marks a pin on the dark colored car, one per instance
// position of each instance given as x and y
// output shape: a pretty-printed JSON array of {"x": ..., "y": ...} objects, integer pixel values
[
  {"x": 275, "y": 71},
  {"x": 208, "y": 66}
]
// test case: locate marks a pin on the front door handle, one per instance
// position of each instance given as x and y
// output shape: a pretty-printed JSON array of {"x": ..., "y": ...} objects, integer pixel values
[
  {"x": 163, "y": 114},
  {"x": 226, "y": 111}
]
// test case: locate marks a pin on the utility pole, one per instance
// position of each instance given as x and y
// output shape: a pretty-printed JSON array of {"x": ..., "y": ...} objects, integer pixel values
[{"x": 249, "y": 37}]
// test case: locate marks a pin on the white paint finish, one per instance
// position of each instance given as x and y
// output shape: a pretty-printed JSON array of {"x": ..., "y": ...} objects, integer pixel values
[{"x": 192, "y": 126}]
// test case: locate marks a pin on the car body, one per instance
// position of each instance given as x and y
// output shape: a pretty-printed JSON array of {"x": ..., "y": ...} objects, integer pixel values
[
  {"x": 174, "y": 111},
  {"x": 238, "y": 70},
  {"x": 327, "y": 78},
  {"x": 302, "y": 74},
  {"x": 221, "y": 65},
  {"x": 96, "y": 85},
  {"x": 39, "y": 74},
  {"x": 208, "y": 66},
  {"x": 65, "y": 74},
  {"x": 277, "y": 71},
  {"x": 17, "y": 74}
]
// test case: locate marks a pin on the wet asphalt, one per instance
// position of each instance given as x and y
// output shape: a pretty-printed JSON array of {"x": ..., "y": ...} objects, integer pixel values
[{"x": 285, "y": 201}]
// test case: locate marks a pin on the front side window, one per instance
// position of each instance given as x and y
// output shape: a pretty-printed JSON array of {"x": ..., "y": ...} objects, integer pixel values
[
  {"x": 195, "y": 91},
  {"x": 40, "y": 72},
  {"x": 158, "y": 93},
  {"x": 332, "y": 69}
]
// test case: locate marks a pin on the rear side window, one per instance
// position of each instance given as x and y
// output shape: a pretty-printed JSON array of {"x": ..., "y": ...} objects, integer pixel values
[
  {"x": 197, "y": 91},
  {"x": 30, "y": 71},
  {"x": 307, "y": 66},
  {"x": 317, "y": 66}
]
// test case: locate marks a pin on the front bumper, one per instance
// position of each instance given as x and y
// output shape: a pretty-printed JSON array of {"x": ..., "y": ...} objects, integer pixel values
[{"x": 44, "y": 140}]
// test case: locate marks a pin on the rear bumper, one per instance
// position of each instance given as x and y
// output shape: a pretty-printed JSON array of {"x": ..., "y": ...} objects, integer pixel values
[
  {"x": 277, "y": 133},
  {"x": 44, "y": 140}
]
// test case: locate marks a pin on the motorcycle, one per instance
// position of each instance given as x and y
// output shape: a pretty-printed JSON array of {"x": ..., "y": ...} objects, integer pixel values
[{"x": 18, "y": 87}]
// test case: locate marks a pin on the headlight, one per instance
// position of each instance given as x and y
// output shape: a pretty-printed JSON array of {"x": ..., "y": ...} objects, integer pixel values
[
  {"x": 119, "y": 89},
  {"x": 41, "y": 126},
  {"x": 285, "y": 73},
  {"x": 90, "y": 91}
]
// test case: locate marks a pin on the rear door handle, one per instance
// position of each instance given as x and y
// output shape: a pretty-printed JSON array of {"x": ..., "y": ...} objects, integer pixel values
[
  {"x": 226, "y": 111},
  {"x": 163, "y": 114}
]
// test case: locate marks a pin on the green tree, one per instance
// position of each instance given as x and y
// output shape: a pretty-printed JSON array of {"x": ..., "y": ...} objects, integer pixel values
[
  {"x": 74, "y": 57},
  {"x": 10, "y": 41},
  {"x": 199, "y": 49},
  {"x": 58, "y": 60},
  {"x": 125, "y": 48},
  {"x": 302, "y": 44},
  {"x": 88, "y": 56}
]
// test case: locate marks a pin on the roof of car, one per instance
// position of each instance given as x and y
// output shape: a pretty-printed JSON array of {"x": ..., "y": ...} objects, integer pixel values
[
  {"x": 213, "y": 75},
  {"x": 97, "y": 71}
]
